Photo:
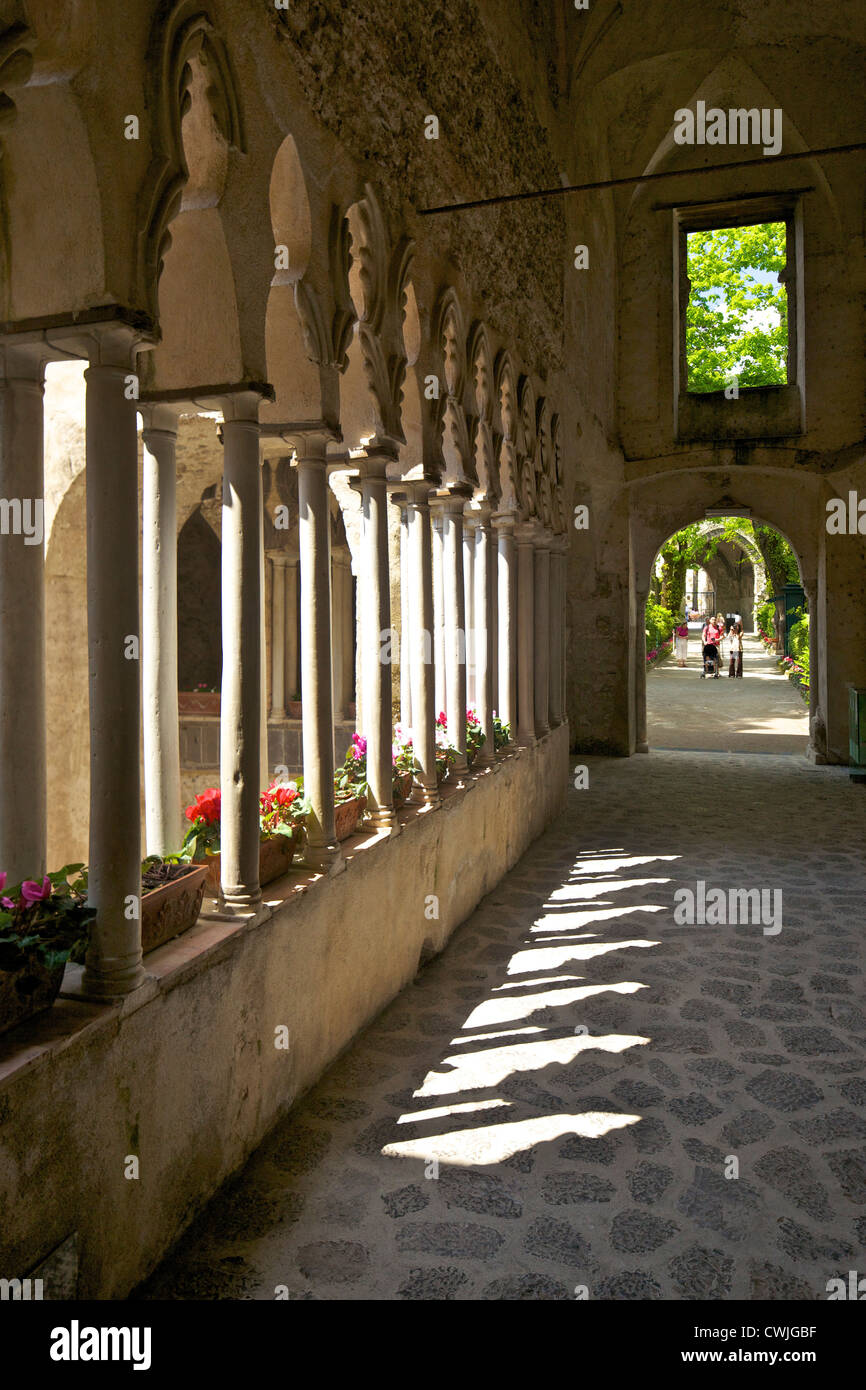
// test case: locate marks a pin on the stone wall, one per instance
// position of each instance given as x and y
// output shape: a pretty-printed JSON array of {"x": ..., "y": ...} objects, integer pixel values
[{"x": 184, "y": 1074}]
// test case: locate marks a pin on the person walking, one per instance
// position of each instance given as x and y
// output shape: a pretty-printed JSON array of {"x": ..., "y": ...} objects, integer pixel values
[
  {"x": 682, "y": 643},
  {"x": 710, "y": 649},
  {"x": 736, "y": 644}
]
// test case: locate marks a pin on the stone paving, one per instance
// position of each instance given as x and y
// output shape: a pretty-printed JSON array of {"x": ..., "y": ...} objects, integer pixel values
[
  {"x": 556, "y": 1102},
  {"x": 761, "y": 713}
]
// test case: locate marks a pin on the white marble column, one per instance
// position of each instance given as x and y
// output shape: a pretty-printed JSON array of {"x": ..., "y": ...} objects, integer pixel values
[
  {"x": 405, "y": 623},
  {"x": 469, "y": 605},
  {"x": 453, "y": 603},
  {"x": 293, "y": 679},
  {"x": 420, "y": 636},
  {"x": 375, "y": 596},
  {"x": 314, "y": 524},
  {"x": 113, "y": 964},
  {"x": 279, "y": 561},
  {"x": 161, "y": 738},
  {"x": 22, "y": 615},
  {"x": 542, "y": 635},
  {"x": 241, "y": 704},
  {"x": 438, "y": 616},
  {"x": 264, "y": 759},
  {"x": 525, "y": 636},
  {"x": 506, "y": 572},
  {"x": 485, "y": 557}
]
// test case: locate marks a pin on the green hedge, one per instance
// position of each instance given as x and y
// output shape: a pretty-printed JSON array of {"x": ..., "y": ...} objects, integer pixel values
[{"x": 659, "y": 625}]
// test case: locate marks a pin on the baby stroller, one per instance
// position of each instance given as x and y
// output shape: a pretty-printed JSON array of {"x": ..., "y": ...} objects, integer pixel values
[{"x": 710, "y": 652}]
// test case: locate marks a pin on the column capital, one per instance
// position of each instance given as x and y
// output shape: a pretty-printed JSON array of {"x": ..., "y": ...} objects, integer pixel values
[
  {"x": 478, "y": 512},
  {"x": 158, "y": 417},
  {"x": 525, "y": 533},
  {"x": 450, "y": 501},
  {"x": 505, "y": 522},
  {"x": 280, "y": 558},
  {"x": 24, "y": 358}
]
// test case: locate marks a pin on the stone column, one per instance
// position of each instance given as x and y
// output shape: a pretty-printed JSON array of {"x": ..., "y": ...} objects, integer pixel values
[
  {"x": 314, "y": 525},
  {"x": 161, "y": 737},
  {"x": 421, "y": 639},
  {"x": 341, "y": 574},
  {"x": 23, "y": 815},
  {"x": 450, "y": 507},
  {"x": 264, "y": 758},
  {"x": 817, "y": 749},
  {"x": 279, "y": 562},
  {"x": 525, "y": 636},
  {"x": 640, "y": 598},
  {"x": 406, "y": 624},
  {"x": 293, "y": 680},
  {"x": 113, "y": 965},
  {"x": 375, "y": 596},
  {"x": 241, "y": 704},
  {"x": 438, "y": 617},
  {"x": 485, "y": 557},
  {"x": 469, "y": 605},
  {"x": 542, "y": 634},
  {"x": 557, "y": 605},
  {"x": 506, "y": 571}
]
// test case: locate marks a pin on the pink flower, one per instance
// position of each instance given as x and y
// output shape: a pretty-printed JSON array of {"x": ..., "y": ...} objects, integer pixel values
[
  {"x": 442, "y": 720},
  {"x": 31, "y": 892},
  {"x": 8, "y": 904},
  {"x": 359, "y": 747}
]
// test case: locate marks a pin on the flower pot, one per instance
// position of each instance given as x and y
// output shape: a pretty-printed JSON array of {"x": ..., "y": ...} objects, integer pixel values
[
  {"x": 293, "y": 709},
  {"x": 27, "y": 991},
  {"x": 198, "y": 702},
  {"x": 172, "y": 908},
  {"x": 347, "y": 814},
  {"x": 275, "y": 856},
  {"x": 402, "y": 788}
]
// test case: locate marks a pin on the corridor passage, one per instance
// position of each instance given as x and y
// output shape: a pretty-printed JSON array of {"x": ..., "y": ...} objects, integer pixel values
[
  {"x": 761, "y": 713},
  {"x": 589, "y": 1076}
]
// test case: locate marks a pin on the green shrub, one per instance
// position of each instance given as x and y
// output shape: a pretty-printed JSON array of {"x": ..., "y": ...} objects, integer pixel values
[
  {"x": 659, "y": 625},
  {"x": 765, "y": 617}
]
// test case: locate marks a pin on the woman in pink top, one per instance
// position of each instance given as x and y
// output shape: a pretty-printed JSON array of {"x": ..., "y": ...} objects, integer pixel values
[{"x": 710, "y": 642}]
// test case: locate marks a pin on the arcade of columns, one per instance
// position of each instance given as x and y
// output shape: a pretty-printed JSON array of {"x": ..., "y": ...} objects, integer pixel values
[{"x": 482, "y": 552}]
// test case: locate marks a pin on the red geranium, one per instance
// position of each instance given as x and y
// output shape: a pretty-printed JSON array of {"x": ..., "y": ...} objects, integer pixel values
[{"x": 206, "y": 808}]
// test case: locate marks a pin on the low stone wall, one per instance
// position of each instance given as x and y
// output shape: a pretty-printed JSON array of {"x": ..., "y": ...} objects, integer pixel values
[{"x": 186, "y": 1075}]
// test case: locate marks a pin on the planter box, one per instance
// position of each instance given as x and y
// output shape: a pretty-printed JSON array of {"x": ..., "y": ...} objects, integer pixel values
[
  {"x": 172, "y": 908},
  {"x": 275, "y": 856},
  {"x": 27, "y": 991},
  {"x": 198, "y": 702},
  {"x": 347, "y": 814}
]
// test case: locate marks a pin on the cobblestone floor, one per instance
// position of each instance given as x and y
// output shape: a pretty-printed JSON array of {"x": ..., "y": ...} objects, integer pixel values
[{"x": 583, "y": 1070}]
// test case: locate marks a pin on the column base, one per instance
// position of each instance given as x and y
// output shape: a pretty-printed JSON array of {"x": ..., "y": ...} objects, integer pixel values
[
  {"x": 429, "y": 796},
  {"x": 384, "y": 819},
  {"x": 541, "y": 731},
  {"x": 641, "y": 748},
  {"x": 112, "y": 986},
  {"x": 240, "y": 899},
  {"x": 324, "y": 859}
]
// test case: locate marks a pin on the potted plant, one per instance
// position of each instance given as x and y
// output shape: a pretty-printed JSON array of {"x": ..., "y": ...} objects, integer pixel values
[
  {"x": 171, "y": 895},
  {"x": 293, "y": 706},
  {"x": 40, "y": 924},
  {"x": 405, "y": 766},
  {"x": 277, "y": 825},
  {"x": 475, "y": 736},
  {"x": 205, "y": 699},
  {"x": 446, "y": 753},
  {"x": 501, "y": 734},
  {"x": 350, "y": 788}
]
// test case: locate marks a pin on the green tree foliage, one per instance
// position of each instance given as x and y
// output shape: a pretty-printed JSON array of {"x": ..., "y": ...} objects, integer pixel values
[
  {"x": 736, "y": 323},
  {"x": 659, "y": 625},
  {"x": 778, "y": 558}
]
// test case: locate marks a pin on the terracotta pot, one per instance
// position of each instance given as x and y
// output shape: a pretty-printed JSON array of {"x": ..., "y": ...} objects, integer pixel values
[
  {"x": 275, "y": 856},
  {"x": 198, "y": 702},
  {"x": 27, "y": 991},
  {"x": 172, "y": 908},
  {"x": 293, "y": 709},
  {"x": 402, "y": 788},
  {"x": 347, "y": 814}
]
